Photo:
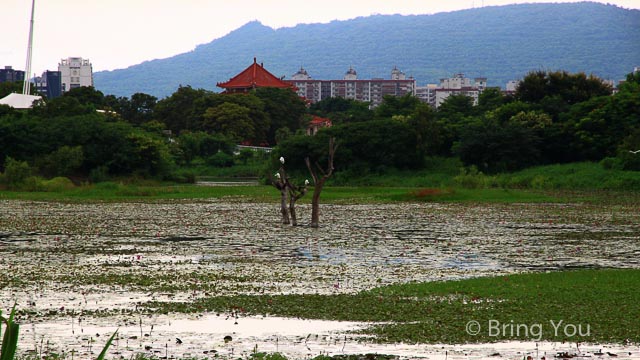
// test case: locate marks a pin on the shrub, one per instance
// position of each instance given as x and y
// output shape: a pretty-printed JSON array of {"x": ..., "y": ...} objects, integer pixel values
[
  {"x": 61, "y": 162},
  {"x": 57, "y": 184},
  {"x": 611, "y": 163},
  {"x": 182, "y": 176},
  {"x": 471, "y": 178},
  {"x": 220, "y": 159},
  {"x": 15, "y": 172},
  {"x": 99, "y": 174}
]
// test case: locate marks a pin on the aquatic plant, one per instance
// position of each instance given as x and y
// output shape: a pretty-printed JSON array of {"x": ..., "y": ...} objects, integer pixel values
[{"x": 10, "y": 338}]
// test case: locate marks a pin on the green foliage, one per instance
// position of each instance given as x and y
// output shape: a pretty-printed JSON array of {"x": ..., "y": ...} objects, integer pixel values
[
  {"x": 62, "y": 162},
  {"x": 15, "y": 172},
  {"x": 491, "y": 99},
  {"x": 267, "y": 356},
  {"x": 7, "y": 87},
  {"x": 103, "y": 353},
  {"x": 363, "y": 146},
  {"x": 284, "y": 108},
  {"x": 183, "y": 110},
  {"x": 341, "y": 110},
  {"x": 231, "y": 119},
  {"x": 628, "y": 154},
  {"x": 144, "y": 154},
  {"x": 438, "y": 311},
  {"x": 192, "y": 145},
  {"x": 455, "y": 107},
  {"x": 62, "y": 106},
  {"x": 282, "y": 134},
  {"x": 244, "y": 155},
  {"x": 59, "y": 143},
  {"x": 494, "y": 148},
  {"x": 99, "y": 174},
  {"x": 557, "y": 91},
  {"x": 86, "y": 95},
  {"x": 56, "y": 184},
  {"x": 574, "y": 176},
  {"x": 220, "y": 159},
  {"x": 471, "y": 178},
  {"x": 393, "y": 105},
  {"x": 10, "y": 338}
]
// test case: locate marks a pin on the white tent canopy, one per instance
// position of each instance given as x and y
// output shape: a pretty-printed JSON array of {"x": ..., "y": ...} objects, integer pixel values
[{"x": 19, "y": 101}]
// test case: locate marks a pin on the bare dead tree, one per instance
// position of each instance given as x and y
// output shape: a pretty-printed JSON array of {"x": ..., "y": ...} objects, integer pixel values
[
  {"x": 280, "y": 183},
  {"x": 318, "y": 182},
  {"x": 295, "y": 193}
]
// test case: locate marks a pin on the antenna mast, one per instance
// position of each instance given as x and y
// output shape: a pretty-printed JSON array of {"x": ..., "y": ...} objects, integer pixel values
[{"x": 27, "y": 73}]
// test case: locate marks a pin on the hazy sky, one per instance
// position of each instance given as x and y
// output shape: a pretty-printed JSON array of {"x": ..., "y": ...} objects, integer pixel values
[{"x": 115, "y": 34}]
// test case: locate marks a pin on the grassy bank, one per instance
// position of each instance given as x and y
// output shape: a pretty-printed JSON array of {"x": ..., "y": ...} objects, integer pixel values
[
  {"x": 443, "y": 180},
  {"x": 114, "y": 192},
  {"x": 601, "y": 305}
]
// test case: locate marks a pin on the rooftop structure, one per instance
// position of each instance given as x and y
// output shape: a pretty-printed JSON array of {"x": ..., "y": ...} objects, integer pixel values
[{"x": 252, "y": 77}]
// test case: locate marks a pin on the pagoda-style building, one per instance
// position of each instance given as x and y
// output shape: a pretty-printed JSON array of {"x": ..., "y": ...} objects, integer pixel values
[
  {"x": 254, "y": 76},
  {"x": 318, "y": 123}
]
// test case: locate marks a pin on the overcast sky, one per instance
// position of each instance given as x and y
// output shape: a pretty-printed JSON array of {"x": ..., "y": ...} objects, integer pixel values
[{"x": 115, "y": 34}]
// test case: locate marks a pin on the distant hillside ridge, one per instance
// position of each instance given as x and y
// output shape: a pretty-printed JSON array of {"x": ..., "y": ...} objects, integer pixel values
[{"x": 500, "y": 43}]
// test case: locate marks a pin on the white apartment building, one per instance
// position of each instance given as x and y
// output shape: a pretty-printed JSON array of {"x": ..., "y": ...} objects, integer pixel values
[
  {"x": 350, "y": 87},
  {"x": 459, "y": 85},
  {"x": 75, "y": 72},
  {"x": 427, "y": 93},
  {"x": 511, "y": 86}
]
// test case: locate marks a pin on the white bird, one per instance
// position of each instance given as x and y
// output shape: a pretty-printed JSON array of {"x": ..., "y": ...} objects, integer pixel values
[
  {"x": 278, "y": 175},
  {"x": 282, "y": 159},
  {"x": 306, "y": 182},
  {"x": 634, "y": 152}
]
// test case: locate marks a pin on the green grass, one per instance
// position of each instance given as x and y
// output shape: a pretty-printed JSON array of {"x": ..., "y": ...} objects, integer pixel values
[
  {"x": 439, "y": 181},
  {"x": 114, "y": 192},
  {"x": 605, "y": 301},
  {"x": 578, "y": 176}
]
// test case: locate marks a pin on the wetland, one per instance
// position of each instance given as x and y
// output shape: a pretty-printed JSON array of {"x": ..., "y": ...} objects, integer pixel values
[{"x": 153, "y": 269}]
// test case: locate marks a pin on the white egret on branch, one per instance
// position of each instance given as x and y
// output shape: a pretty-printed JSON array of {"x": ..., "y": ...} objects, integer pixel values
[
  {"x": 278, "y": 175},
  {"x": 282, "y": 159},
  {"x": 306, "y": 182}
]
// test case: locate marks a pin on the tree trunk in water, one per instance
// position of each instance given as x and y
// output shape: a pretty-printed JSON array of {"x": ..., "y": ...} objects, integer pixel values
[
  {"x": 318, "y": 182},
  {"x": 315, "y": 204},
  {"x": 292, "y": 211},
  {"x": 283, "y": 205}
]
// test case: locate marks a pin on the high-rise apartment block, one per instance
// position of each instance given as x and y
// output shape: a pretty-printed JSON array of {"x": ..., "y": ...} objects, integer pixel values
[
  {"x": 350, "y": 87},
  {"x": 75, "y": 72}
]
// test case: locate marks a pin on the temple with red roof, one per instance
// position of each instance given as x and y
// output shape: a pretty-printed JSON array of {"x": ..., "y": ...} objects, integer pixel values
[
  {"x": 254, "y": 76},
  {"x": 318, "y": 123}
]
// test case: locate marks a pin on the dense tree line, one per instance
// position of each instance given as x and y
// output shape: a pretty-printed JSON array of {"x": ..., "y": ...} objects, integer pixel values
[
  {"x": 553, "y": 117},
  {"x": 87, "y": 135}
]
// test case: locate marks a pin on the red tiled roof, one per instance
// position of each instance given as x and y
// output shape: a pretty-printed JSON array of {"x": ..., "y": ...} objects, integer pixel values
[
  {"x": 318, "y": 120},
  {"x": 254, "y": 76}
]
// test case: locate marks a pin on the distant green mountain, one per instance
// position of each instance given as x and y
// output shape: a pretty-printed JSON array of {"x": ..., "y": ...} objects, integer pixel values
[{"x": 501, "y": 43}]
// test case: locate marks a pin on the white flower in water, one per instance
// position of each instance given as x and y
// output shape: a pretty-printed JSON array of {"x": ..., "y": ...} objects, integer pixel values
[
  {"x": 278, "y": 175},
  {"x": 282, "y": 159},
  {"x": 306, "y": 182}
]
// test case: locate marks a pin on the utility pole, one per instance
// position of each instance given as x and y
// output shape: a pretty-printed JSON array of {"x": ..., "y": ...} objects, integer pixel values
[{"x": 26, "y": 87}]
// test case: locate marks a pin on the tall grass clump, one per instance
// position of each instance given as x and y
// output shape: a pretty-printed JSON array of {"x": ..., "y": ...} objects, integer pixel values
[{"x": 10, "y": 338}]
